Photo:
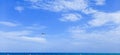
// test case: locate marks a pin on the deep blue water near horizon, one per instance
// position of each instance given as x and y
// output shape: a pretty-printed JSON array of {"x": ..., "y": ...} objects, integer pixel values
[{"x": 59, "y": 53}]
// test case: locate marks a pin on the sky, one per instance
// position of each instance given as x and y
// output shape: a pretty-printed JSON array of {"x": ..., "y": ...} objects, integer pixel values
[{"x": 74, "y": 26}]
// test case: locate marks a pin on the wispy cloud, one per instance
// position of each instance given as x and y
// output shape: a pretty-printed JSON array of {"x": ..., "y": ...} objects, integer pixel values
[
  {"x": 22, "y": 36},
  {"x": 102, "y": 18},
  {"x": 23, "y": 39},
  {"x": 34, "y": 1},
  {"x": 100, "y": 37},
  {"x": 98, "y": 18},
  {"x": 19, "y": 8},
  {"x": 35, "y": 27},
  {"x": 34, "y": 39},
  {"x": 78, "y": 36},
  {"x": 10, "y": 24},
  {"x": 24, "y": 33},
  {"x": 62, "y": 5},
  {"x": 100, "y": 2},
  {"x": 71, "y": 17}
]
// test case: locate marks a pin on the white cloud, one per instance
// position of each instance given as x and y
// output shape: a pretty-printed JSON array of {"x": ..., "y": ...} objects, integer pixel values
[
  {"x": 62, "y": 5},
  {"x": 34, "y": 1},
  {"x": 23, "y": 33},
  {"x": 100, "y": 2},
  {"x": 73, "y": 4},
  {"x": 91, "y": 40},
  {"x": 99, "y": 18},
  {"x": 23, "y": 39},
  {"x": 89, "y": 11},
  {"x": 111, "y": 36},
  {"x": 10, "y": 24},
  {"x": 76, "y": 29},
  {"x": 35, "y": 27},
  {"x": 22, "y": 36},
  {"x": 102, "y": 18},
  {"x": 19, "y": 8},
  {"x": 14, "y": 33},
  {"x": 71, "y": 17},
  {"x": 34, "y": 39}
]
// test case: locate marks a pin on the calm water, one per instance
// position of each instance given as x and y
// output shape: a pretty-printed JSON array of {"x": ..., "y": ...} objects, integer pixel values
[{"x": 59, "y": 53}]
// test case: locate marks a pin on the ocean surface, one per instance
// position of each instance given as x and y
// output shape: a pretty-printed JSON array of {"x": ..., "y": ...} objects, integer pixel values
[{"x": 59, "y": 53}]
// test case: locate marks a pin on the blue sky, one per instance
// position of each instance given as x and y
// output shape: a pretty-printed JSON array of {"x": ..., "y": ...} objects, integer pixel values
[{"x": 69, "y": 26}]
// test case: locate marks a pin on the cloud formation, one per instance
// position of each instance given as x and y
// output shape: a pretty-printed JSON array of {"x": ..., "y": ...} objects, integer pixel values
[
  {"x": 71, "y": 17},
  {"x": 22, "y": 39},
  {"x": 94, "y": 41},
  {"x": 9, "y": 24},
  {"x": 102, "y": 18},
  {"x": 62, "y": 5},
  {"x": 100, "y": 2},
  {"x": 80, "y": 36},
  {"x": 98, "y": 18},
  {"x": 22, "y": 36},
  {"x": 19, "y": 8},
  {"x": 25, "y": 34}
]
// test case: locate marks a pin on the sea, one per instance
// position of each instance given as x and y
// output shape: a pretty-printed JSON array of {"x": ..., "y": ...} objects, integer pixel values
[{"x": 59, "y": 53}]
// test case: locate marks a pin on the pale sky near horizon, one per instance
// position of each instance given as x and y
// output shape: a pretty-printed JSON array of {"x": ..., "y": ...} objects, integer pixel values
[{"x": 60, "y": 26}]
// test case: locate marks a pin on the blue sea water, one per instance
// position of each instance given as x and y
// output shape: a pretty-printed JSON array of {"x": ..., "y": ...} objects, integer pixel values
[{"x": 59, "y": 53}]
